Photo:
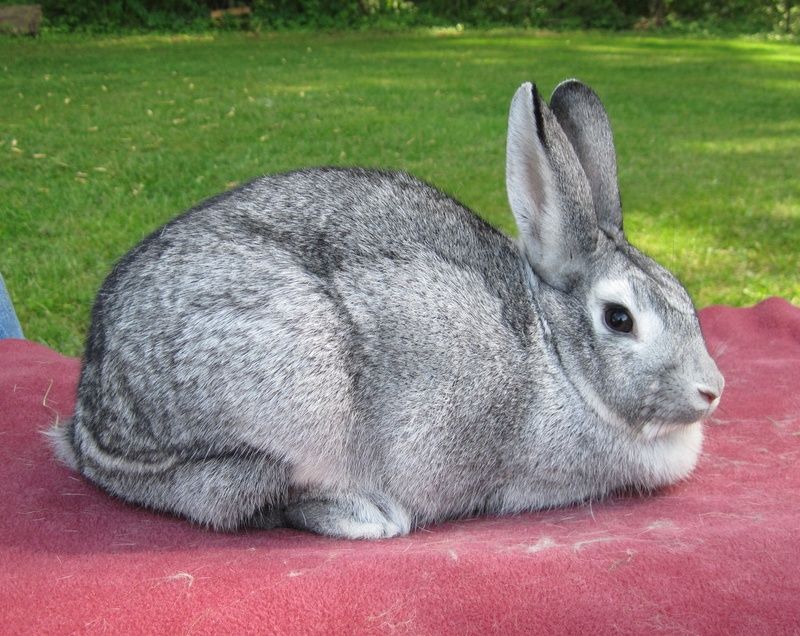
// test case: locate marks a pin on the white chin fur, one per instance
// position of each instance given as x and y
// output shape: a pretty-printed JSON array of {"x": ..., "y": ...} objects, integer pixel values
[{"x": 670, "y": 456}]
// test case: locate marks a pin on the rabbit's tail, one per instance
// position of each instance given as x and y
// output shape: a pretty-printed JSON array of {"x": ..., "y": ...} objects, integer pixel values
[{"x": 60, "y": 438}]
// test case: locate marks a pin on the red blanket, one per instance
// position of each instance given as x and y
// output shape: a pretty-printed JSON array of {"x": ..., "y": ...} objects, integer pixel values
[{"x": 717, "y": 553}]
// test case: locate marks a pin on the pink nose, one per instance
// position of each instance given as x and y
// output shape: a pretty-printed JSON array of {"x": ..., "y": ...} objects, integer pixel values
[{"x": 708, "y": 395}]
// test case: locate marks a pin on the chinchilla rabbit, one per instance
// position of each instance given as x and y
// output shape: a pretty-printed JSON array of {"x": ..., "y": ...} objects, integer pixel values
[{"x": 354, "y": 353}]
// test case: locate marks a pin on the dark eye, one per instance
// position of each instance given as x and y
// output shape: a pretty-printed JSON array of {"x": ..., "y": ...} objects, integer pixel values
[{"x": 618, "y": 318}]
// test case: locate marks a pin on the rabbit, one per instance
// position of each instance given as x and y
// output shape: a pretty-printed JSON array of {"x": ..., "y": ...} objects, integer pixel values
[{"x": 354, "y": 353}]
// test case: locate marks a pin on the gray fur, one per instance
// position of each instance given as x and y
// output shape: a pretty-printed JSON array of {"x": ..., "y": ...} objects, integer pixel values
[{"x": 354, "y": 353}]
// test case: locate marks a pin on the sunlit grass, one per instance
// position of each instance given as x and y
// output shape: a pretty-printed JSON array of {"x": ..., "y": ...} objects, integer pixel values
[{"x": 101, "y": 140}]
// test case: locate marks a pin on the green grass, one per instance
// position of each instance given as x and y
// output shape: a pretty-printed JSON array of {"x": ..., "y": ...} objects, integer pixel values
[{"x": 101, "y": 140}]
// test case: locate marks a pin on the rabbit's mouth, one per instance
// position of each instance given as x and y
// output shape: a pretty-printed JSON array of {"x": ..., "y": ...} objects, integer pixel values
[
  {"x": 658, "y": 429},
  {"x": 664, "y": 417}
]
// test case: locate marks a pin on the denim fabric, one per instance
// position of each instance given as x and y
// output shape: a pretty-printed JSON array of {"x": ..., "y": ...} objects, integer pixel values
[{"x": 9, "y": 325}]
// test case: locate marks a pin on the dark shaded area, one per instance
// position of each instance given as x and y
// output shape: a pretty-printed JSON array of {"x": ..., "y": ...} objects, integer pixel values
[{"x": 744, "y": 16}]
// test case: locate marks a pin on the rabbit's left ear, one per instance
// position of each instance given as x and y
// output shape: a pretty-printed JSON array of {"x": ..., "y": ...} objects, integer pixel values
[
  {"x": 548, "y": 192},
  {"x": 584, "y": 120}
]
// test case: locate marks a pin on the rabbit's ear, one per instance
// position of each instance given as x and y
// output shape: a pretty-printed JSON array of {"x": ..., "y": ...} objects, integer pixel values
[
  {"x": 584, "y": 120},
  {"x": 548, "y": 192}
]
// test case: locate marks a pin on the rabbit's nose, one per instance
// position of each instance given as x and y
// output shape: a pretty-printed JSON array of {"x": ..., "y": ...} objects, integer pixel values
[
  {"x": 709, "y": 395},
  {"x": 709, "y": 388}
]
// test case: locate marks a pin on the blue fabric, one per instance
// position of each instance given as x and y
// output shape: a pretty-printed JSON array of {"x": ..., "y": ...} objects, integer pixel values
[{"x": 9, "y": 325}]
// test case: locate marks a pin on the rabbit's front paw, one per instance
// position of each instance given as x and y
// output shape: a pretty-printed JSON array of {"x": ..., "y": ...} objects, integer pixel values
[{"x": 348, "y": 515}]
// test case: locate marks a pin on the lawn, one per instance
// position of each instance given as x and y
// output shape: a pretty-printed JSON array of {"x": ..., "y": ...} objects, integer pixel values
[{"x": 102, "y": 140}]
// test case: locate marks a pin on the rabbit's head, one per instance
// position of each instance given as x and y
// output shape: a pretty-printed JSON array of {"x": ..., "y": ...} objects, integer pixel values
[{"x": 625, "y": 329}]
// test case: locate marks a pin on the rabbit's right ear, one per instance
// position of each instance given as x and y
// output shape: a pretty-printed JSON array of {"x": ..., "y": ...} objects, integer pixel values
[
  {"x": 584, "y": 120},
  {"x": 548, "y": 192}
]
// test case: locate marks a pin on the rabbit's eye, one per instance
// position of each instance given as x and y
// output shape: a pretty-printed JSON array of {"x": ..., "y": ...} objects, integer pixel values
[{"x": 618, "y": 318}]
